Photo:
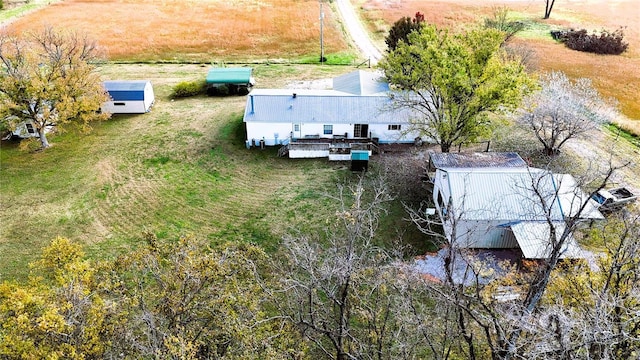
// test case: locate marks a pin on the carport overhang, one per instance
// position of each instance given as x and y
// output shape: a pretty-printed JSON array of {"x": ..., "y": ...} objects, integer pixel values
[{"x": 533, "y": 238}]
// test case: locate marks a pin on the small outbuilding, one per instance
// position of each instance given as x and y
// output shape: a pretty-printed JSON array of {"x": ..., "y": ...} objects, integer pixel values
[
  {"x": 128, "y": 96},
  {"x": 359, "y": 160},
  {"x": 232, "y": 80}
]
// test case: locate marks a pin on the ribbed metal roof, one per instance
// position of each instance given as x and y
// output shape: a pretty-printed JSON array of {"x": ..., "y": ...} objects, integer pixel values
[
  {"x": 321, "y": 106},
  {"x": 125, "y": 90},
  {"x": 475, "y": 160},
  {"x": 534, "y": 240},
  {"x": 506, "y": 194},
  {"x": 361, "y": 82},
  {"x": 125, "y": 85},
  {"x": 231, "y": 75}
]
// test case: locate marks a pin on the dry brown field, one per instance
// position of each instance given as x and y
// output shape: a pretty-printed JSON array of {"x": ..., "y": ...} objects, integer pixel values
[
  {"x": 614, "y": 76},
  {"x": 195, "y": 30},
  {"x": 252, "y": 30}
]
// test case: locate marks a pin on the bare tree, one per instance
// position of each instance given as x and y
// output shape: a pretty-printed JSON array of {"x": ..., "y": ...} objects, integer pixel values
[
  {"x": 548, "y": 7},
  {"x": 593, "y": 314},
  {"x": 486, "y": 323},
  {"x": 352, "y": 299},
  {"x": 563, "y": 110}
]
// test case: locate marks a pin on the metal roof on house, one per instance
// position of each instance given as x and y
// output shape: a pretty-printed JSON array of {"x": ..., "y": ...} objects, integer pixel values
[
  {"x": 506, "y": 194},
  {"x": 361, "y": 82},
  {"x": 475, "y": 160},
  {"x": 321, "y": 106},
  {"x": 231, "y": 75},
  {"x": 534, "y": 240}
]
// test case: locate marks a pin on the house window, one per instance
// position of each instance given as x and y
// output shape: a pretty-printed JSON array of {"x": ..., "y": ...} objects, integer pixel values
[
  {"x": 394, "y": 127},
  {"x": 296, "y": 127},
  {"x": 444, "y": 210},
  {"x": 118, "y": 103},
  {"x": 328, "y": 129},
  {"x": 30, "y": 128}
]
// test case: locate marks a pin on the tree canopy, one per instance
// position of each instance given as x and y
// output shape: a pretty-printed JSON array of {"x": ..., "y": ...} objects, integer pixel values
[
  {"x": 452, "y": 82},
  {"x": 402, "y": 28},
  {"x": 48, "y": 78},
  {"x": 563, "y": 110}
]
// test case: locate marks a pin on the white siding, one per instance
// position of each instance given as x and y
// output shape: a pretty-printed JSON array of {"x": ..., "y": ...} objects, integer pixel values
[
  {"x": 149, "y": 96},
  {"x": 124, "y": 107},
  {"x": 278, "y": 133},
  {"x": 271, "y": 133}
]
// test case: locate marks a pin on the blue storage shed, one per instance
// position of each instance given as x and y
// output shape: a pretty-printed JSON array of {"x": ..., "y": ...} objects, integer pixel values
[{"x": 128, "y": 96}]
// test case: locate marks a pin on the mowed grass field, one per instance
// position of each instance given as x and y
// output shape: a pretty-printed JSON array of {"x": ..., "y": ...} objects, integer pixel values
[
  {"x": 180, "y": 169},
  {"x": 613, "y": 76},
  {"x": 183, "y": 168}
]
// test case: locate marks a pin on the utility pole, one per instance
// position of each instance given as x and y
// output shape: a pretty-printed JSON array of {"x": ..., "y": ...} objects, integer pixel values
[{"x": 322, "y": 58}]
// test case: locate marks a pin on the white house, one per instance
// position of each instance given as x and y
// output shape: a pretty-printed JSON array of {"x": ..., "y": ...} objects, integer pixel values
[
  {"x": 357, "y": 110},
  {"x": 497, "y": 207},
  {"x": 128, "y": 96}
]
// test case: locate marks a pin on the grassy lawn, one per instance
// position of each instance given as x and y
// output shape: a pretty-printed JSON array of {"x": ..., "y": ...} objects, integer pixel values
[{"x": 180, "y": 169}]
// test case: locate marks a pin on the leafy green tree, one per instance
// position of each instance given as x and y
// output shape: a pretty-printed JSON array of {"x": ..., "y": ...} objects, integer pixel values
[
  {"x": 401, "y": 29},
  {"x": 48, "y": 78},
  {"x": 453, "y": 82}
]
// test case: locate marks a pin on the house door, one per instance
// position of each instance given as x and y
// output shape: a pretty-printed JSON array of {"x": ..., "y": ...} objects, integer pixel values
[
  {"x": 360, "y": 130},
  {"x": 297, "y": 131}
]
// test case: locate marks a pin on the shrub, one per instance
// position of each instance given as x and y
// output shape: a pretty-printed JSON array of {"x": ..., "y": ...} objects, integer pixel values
[
  {"x": 188, "y": 88},
  {"x": 1, "y": 4},
  {"x": 605, "y": 42},
  {"x": 402, "y": 28}
]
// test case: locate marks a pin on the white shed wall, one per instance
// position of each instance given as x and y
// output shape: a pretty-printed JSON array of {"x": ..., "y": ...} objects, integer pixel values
[
  {"x": 131, "y": 106},
  {"x": 127, "y": 107},
  {"x": 149, "y": 96},
  {"x": 482, "y": 234}
]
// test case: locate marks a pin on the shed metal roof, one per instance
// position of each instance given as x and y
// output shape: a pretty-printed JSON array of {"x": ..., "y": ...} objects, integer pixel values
[
  {"x": 506, "y": 194},
  {"x": 126, "y": 90},
  {"x": 475, "y": 160},
  {"x": 534, "y": 240},
  {"x": 125, "y": 85},
  {"x": 232, "y": 75}
]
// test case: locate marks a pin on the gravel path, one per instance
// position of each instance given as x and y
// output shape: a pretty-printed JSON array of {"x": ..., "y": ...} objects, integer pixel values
[{"x": 359, "y": 36}]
